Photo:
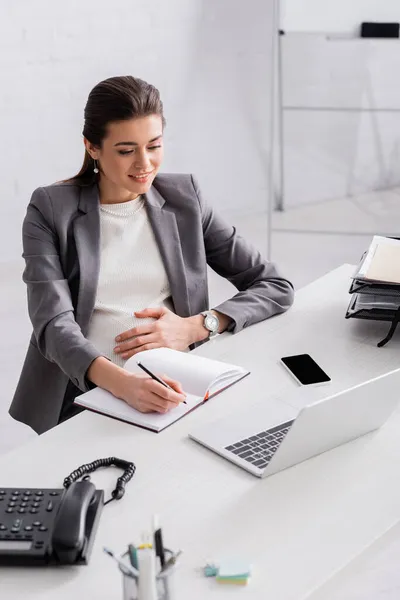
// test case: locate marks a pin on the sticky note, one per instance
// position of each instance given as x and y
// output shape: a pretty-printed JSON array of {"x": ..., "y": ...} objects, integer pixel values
[
  {"x": 233, "y": 580},
  {"x": 234, "y": 568}
]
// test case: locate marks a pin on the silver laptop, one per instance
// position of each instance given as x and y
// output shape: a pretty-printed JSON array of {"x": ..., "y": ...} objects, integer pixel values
[{"x": 335, "y": 420}]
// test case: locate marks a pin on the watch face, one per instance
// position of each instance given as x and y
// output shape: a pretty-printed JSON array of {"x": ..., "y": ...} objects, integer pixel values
[{"x": 211, "y": 322}]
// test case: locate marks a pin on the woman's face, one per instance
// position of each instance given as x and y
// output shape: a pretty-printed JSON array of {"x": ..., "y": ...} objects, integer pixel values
[{"x": 130, "y": 156}]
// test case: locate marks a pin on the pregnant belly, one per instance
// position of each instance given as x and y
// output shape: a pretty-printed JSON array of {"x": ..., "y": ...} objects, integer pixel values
[
  {"x": 104, "y": 328},
  {"x": 107, "y": 323}
]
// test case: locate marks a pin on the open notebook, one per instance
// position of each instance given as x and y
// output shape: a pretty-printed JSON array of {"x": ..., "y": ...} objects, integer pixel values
[{"x": 200, "y": 377}]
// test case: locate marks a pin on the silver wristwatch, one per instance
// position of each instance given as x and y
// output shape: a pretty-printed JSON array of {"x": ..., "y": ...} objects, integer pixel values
[{"x": 211, "y": 323}]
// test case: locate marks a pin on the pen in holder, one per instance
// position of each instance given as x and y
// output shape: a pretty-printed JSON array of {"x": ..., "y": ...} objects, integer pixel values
[{"x": 155, "y": 584}]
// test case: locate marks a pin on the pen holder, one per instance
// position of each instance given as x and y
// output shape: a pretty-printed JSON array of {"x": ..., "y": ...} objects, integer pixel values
[{"x": 164, "y": 581}]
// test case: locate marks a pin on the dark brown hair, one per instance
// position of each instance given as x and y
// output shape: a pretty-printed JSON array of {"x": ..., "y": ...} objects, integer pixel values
[{"x": 115, "y": 99}]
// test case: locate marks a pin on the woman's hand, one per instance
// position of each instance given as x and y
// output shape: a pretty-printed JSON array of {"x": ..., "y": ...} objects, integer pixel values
[
  {"x": 147, "y": 395},
  {"x": 167, "y": 331},
  {"x": 138, "y": 390}
]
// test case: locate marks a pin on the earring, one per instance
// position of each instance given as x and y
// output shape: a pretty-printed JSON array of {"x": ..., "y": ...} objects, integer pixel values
[{"x": 95, "y": 170}]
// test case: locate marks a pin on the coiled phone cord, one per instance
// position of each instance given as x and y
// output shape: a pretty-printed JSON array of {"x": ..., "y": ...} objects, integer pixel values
[{"x": 128, "y": 467}]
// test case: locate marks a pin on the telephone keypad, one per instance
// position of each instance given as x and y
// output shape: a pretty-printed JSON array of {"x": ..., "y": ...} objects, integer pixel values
[
  {"x": 28, "y": 538},
  {"x": 27, "y": 517}
]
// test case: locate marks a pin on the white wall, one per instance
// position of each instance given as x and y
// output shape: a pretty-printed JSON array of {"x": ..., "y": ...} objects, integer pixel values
[
  {"x": 332, "y": 153},
  {"x": 332, "y": 150},
  {"x": 340, "y": 16},
  {"x": 210, "y": 61}
]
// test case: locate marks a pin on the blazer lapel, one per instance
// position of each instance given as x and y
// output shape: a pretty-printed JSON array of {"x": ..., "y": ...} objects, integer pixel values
[
  {"x": 165, "y": 228},
  {"x": 87, "y": 239}
]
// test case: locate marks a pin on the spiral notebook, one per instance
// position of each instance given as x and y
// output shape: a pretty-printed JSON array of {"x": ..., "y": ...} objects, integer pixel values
[{"x": 201, "y": 378}]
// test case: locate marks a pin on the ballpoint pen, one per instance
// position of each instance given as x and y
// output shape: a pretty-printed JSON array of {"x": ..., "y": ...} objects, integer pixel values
[
  {"x": 171, "y": 561},
  {"x": 169, "y": 565},
  {"x": 158, "y": 541},
  {"x": 156, "y": 378},
  {"x": 126, "y": 569}
]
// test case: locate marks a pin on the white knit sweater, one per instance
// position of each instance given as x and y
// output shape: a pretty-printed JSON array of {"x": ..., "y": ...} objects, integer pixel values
[{"x": 132, "y": 275}]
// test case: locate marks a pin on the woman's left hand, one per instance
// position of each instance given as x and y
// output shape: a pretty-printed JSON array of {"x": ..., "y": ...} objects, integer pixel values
[{"x": 168, "y": 331}]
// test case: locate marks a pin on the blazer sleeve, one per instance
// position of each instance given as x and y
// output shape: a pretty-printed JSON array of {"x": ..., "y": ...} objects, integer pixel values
[
  {"x": 58, "y": 335},
  {"x": 262, "y": 290}
]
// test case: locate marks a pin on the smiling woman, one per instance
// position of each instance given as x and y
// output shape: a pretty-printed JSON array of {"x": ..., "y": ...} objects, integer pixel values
[
  {"x": 129, "y": 158},
  {"x": 116, "y": 263}
]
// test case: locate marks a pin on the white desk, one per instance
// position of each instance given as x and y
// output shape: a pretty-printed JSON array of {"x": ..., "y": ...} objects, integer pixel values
[
  {"x": 374, "y": 575},
  {"x": 297, "y": 527}
]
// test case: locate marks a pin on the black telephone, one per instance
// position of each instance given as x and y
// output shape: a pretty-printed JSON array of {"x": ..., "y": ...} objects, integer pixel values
[
  {"x": 41, "y": 527},
  {"x": 49, "y": 526}
]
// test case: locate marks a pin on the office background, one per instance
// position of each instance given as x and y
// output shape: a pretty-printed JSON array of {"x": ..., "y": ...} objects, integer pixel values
[{"x": 214, "y": 63}]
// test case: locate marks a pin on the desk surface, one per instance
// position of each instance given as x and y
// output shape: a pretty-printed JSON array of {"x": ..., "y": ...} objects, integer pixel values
[
  {"x": 374, "y": 575},
  {"x": 297, "y": 527}
]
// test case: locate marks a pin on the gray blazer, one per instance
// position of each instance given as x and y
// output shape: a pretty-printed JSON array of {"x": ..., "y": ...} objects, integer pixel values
[{"x": 61, "y": 235}]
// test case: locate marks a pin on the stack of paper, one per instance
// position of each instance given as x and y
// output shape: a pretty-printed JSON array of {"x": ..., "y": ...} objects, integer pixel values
[
  {"x": 381, "y": 263},
  {"x": 375, "y": 287},
  {"x": 376, "y": 301}
]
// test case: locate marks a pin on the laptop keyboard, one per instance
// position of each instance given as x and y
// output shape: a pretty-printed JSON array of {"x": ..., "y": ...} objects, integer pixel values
[{"x": 260, "y": 448}]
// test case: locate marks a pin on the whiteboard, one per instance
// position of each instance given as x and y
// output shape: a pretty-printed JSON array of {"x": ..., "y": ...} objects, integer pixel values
[{"x": 335, "y": 16}]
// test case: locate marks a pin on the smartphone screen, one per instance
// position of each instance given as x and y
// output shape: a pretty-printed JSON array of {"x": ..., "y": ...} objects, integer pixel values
[{"x": 305, "y": 369}]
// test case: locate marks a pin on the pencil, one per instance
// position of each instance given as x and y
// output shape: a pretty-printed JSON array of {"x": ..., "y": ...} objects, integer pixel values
[{"x": 156, "y": 378}]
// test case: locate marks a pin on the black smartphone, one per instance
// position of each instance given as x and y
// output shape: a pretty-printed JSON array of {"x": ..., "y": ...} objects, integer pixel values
[{"x": 305, "y": 370}]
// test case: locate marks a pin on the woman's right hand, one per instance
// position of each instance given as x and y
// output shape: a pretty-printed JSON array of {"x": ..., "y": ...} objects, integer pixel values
[
  {"x": 138, "y": 390},
  {"x": 147, "y": 395}
]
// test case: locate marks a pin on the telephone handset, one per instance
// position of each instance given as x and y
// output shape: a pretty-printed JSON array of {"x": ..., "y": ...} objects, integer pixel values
[
  {"x": 76, "y": 523},
  {"x": 49, "y": 526}
]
